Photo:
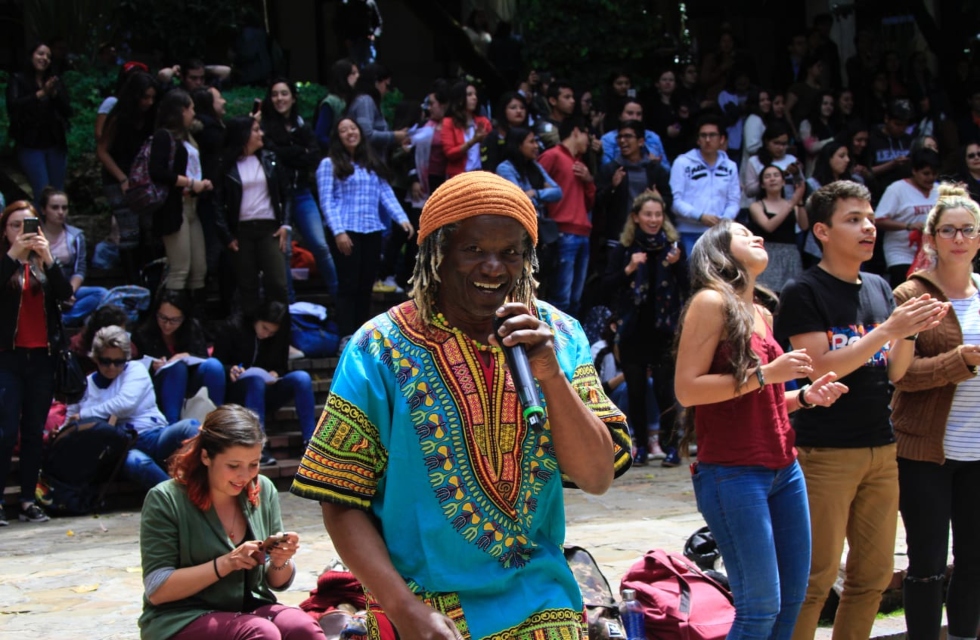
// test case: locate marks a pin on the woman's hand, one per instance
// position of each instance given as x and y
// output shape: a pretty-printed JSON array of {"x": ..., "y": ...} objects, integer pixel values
[
  {"x": 233, "y": 246},
  {"x": 674, "y": 254},
  {"x": 124, "y": 185},
  {"x": 156, "y": 364},
  {"x": 40, "y": 246},
  {"x": 789, "y": 366},
  {"x": 344, "y": 244},
  {"x": 178, "y": 356},
  {"x": 235, "y": 373},
  {"x": 824, "y": 391},
  {"x": 274, "y": 376},
  {"x": 285, "y": 549},
  {"x": 243, "y": 558},
  {"x": 638, "y": 258},
  {"x": 970, "y": 354},
  {"x": 407, "y": 228},
  {"x": 283, "y": 234},
  {"x": 21, "y": 246},
  {"x": 199, "y": 186}
]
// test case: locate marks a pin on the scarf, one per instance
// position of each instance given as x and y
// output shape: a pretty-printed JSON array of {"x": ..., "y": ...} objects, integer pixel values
[{"x": 653, "y": 278}]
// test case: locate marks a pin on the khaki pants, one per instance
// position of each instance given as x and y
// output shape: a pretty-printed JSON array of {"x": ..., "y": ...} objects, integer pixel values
[
  {"x": 853, "y": 494},
  {"x": 186, "y": 257}
]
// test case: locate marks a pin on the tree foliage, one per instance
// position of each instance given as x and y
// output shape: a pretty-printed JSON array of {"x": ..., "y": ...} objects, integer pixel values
[{"x": 582, "y": 40}]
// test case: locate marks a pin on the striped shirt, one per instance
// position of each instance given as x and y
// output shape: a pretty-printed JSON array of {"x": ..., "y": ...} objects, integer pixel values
[
  {"x": 361, "y": 203},
  {"x": 962, "y": 441}
]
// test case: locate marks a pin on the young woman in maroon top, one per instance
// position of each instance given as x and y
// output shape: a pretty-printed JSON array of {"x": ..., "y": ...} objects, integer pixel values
[
  {"x": 730, "y": 373},
  {"x": 32, "y": 286}
]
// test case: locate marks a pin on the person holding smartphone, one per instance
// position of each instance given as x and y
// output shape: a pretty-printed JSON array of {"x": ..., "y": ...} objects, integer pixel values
[
  {"x": 32, "y": 288},
  {"x": 206, "y": 571},
  {"x": 647, "y": 271}
]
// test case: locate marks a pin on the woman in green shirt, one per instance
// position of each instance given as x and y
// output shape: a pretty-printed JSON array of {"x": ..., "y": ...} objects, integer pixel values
[{"x": 201, "y": 542}]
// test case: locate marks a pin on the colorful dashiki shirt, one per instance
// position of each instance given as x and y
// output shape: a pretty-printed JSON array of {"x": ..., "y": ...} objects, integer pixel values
[{"x": 423, "y": 430}]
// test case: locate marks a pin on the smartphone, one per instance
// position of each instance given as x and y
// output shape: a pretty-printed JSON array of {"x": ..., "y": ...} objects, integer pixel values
[
  {"x": 31, "y": 225},
  {"x": 270, "y": 543},
  {"x": 256, "y": 105}
]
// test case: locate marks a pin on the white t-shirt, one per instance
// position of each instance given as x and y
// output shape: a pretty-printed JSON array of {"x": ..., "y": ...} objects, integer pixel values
[
  {"x": 256, "y": 204},
  {"x": 107, "y": 105},
  {"x": 903, "y": 202},
  {"x": 473, "y": 162},
  {"x": 962, "y": 441}
]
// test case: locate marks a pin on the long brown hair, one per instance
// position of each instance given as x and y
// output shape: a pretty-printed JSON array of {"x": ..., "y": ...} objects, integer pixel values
[
  {"x": 229, "y": 425},
  {"x": 714, "y": 267},
  {"x": 34, "y": 259}
]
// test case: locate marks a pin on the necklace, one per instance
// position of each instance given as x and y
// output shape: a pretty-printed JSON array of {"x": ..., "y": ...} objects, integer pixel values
[
  {"x": 441, "y": 322},
  {"x": 230, "y": 530}
]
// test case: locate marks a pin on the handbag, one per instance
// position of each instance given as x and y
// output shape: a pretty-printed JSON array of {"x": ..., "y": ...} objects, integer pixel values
[{"x": 70, "y": 381}]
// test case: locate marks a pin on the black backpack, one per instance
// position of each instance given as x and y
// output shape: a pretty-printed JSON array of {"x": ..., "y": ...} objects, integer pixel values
[{"x": 79, "y": 463}]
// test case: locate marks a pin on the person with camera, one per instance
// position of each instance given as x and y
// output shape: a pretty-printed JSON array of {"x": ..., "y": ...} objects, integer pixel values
[
  {"x": 211, "y": 543},
  {"x": 32, "y": 288}
]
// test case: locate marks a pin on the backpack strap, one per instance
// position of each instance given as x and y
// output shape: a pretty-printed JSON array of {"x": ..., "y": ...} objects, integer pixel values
[{"x": 115, "y": 470}]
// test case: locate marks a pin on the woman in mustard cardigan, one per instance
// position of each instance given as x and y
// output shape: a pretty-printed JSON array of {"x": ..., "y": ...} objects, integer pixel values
[
  {"x": 206, "y": 572},
  {"x": 936, "y": 413}
]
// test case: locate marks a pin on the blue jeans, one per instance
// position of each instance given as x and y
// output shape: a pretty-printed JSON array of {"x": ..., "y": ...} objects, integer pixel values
[
  {"x": 26, "y": 389},
  {"x": 689, "y": 238},
  {"x": 43, "y": 167},
  {"x": 569, "y": 276},
  {"x": 761, "y": 522},
  {"x": 146, "y": 461},
  {"x": 263, "y": 398},
  {"x": 179, "y": 382},
  {"x": 306, "y": 216},
  {"x": 87, "y": 300}
]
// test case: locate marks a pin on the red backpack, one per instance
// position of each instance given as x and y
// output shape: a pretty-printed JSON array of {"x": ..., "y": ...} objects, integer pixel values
[{"x": 679, "y": 601}]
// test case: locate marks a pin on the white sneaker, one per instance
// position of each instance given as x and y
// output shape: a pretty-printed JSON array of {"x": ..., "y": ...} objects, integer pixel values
[
  {"x": 656, "y": 453},
  {"x": 295, "y": 354},
  {"x": 390, "y": 282}
]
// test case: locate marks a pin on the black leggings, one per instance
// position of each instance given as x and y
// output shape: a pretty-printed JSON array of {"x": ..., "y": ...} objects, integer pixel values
[
  {"x": 933, "y": 496},
  {"x": 635, "y": 374}
]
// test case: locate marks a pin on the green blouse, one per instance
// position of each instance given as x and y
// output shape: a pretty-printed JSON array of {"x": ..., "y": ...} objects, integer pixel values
[{"x": 176, "y": 534}]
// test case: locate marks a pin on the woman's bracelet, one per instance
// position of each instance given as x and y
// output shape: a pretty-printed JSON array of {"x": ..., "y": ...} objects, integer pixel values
[
  {"x": 214, "y": 563},
  {"x": 801, "y": 398},
  {"x": 760, "y": 376},
  {"x": 274, "y": 567}
]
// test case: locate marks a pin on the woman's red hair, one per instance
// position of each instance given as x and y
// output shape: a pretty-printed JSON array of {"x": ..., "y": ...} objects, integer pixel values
[{"x": 227, "y": 426}]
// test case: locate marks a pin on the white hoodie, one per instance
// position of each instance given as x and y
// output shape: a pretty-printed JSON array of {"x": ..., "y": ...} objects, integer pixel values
[{"x": 698, "y": 189}]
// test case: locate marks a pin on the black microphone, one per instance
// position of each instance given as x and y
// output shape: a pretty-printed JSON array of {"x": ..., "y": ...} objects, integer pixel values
[{"x": 520, "y": 373}]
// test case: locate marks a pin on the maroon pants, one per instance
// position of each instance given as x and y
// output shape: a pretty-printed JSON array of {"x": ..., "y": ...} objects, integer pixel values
[{"x": 268, "y": 622}]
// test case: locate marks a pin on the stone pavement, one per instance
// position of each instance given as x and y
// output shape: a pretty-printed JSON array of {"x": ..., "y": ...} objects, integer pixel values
[{"x": 75, "y": 578}]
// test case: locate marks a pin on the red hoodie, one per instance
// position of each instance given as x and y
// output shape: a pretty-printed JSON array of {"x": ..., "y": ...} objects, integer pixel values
[{"x": 577, "y": 197}]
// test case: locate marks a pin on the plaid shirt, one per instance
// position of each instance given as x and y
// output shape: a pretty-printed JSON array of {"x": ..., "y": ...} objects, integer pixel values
[{"x": 361, "y": 203}]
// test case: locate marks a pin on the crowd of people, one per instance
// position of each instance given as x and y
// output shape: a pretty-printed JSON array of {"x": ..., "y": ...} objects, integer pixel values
[{"x": 731, "y": 249}]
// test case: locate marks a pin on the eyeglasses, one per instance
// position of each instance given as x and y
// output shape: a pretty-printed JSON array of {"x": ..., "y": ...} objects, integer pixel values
[
  {"x": 973, "y": 156},
  {"x": 708, "y": 135},
  {"x": 168, "y": 320},
  {"x": 112, "y": 362},
  {"x": 949, "y": 232}
]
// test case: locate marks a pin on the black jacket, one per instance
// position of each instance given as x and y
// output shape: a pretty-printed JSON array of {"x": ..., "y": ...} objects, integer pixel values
[
  {"x": 37, "y": 123},
  {"x": 297, "y": 150},
  {"x": 55, "y": 287},
  {"x": 169, "y": 217},
  {"x": 236, "y": 344},
  {"x": 228, "y": 195},
  {"x": 613, "y": 203}
]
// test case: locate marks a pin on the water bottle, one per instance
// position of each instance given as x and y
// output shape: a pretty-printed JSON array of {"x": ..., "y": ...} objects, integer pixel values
[{"x": 632, "y": 615}]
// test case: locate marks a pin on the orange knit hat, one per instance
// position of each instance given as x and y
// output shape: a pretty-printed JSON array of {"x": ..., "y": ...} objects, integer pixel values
[{"x": 476, "y": 193}]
